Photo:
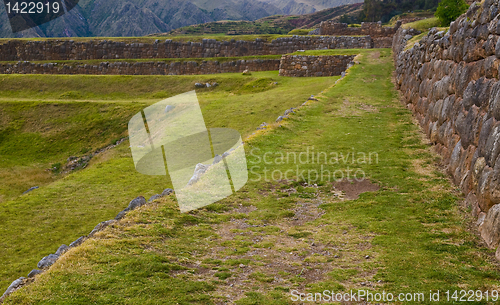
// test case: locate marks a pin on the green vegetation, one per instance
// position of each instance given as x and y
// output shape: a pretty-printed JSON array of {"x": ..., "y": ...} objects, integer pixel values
[
  {"x": 423, "y": 25},
  {"x": 48, "y": 118},
  {"x": 299, "y": 32},
  {"x": 378, "y": 10},
  {"x": 276, "y": 235},
  {"x": 449, "y": 10}
]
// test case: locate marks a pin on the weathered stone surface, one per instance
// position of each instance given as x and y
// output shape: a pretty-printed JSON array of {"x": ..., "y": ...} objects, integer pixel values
[
  {"x": 303, "y": 66},
  {"x": 490, "y": 228},
  {"x": 19, "y": 50}
]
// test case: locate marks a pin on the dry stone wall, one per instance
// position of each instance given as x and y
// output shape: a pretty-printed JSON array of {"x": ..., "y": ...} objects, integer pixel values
[
  {"x": 142, "y": 68},
  {"x": 450, "y": 80},
  {"x": 303, "y": 65},
  {"x": 21, "y": 50},
  {"x": 382, "y": 36}
]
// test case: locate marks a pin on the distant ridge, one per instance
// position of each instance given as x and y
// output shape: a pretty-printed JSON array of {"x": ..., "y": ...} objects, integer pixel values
[
  {"x": 119, "y": 18},
  {"x": 268, "y": 25}
]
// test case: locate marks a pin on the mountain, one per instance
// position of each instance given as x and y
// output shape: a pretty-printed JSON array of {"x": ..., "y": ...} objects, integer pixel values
[
  {"x": 277, "y": 24},
  {"x": 115, "y": 18}
]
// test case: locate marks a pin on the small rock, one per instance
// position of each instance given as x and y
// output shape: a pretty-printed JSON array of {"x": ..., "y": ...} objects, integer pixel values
[
  {"x": 246, "y": 72},
  {"x": 154, "y": 197},
  {"x": 279, "y": 119},
  {"x": 14, "y": 286},
  {"x": 62, "y": 249},
  {"x": 137, "y": 202},
  {"x": 199, "y": 85},
  {"x": 367, "y": 256},
  {"x": 217, "y": 159},
  {"x": 34, "y": 272},
  {"x": 30, "y": 189},
  {"x": 208, "y": 85},
  {"x": 119, "y": 216},
  {"x": 77, "y": 242},
  {"x": 167, "y": 192},
  {"x": 168, "y": 108},
  {"x": 215, "y": 84},
  {"x": 198, "y": 171},
  {"x": 225, "y": 154},
  {"x": 102, "y": 225},
  {"x": 47, "y": 261},
  {"x": 242, "y": 266}
]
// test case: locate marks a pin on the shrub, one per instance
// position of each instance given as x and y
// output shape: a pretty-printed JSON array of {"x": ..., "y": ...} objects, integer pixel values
[{"x": 449, "y": 10}]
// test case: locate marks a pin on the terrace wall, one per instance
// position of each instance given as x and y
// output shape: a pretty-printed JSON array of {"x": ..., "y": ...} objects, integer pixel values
[
  {"x": 303, "y": 66},
  {"x": 382, "y": 36},
  {"x": 142, "y": 68},
  {"x": 21, "y": 50},
  {"x": 451, "y": 83}
]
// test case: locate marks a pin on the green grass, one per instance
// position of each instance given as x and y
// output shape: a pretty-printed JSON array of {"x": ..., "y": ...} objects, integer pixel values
[
  {"x": 410, "y": 235},
  {"x": 48, "y": 118},
  {"x": 423, "y": 25}
]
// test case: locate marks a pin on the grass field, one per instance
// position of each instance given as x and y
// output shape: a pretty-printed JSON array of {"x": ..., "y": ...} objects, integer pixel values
[
  {"x": 278, "y": 235},
  {"x": 47, "y": 118}
]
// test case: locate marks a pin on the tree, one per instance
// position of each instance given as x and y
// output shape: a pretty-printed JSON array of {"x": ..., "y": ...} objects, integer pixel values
[{"x": 449, "y": 10}]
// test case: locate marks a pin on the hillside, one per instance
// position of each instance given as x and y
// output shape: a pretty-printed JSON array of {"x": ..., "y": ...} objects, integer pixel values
[
  {"x": 269, "y": 25},
  {"x": 119, "y": 18}
]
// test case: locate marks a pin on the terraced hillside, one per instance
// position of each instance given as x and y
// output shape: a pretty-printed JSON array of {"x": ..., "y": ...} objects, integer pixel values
[
  {"x": 48, "y": 118},
  {"x": 401, "y": 230}
]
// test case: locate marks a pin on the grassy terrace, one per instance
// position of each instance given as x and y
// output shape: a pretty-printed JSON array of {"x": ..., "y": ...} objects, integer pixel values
[
  {"x": 167, "y": 60},
  {"x": 47, "y": 118},
  {"x": 273, "y": 236}
]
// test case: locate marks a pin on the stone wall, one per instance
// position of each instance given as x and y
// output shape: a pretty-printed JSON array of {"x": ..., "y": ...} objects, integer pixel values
[
  {"x": 373, "y": 29},
  {"x": 450, "y": 81},
  {"x": 142, "y": 68},
  {"x": 21, "y": 50},
  {"x": 303, "y": 65}
]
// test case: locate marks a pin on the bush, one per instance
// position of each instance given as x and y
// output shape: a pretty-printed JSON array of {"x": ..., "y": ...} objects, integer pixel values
[
  {"x": 449, "y": 10},
  {"x": 299, "y": 32}
]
